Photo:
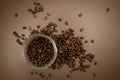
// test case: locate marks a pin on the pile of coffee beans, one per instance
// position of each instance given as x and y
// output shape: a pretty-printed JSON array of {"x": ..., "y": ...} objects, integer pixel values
[
  {"x": 70, "y": 47},
  {"x": 40, "y": 51}
]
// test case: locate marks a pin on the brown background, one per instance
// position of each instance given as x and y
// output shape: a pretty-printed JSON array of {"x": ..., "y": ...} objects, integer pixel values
[{"x": 103, "y": 27}]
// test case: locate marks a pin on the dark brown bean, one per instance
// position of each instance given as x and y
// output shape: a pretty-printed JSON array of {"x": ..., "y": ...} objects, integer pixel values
[
  {"x": 16, "y": 15},
  {"x": 95, "y": 63},
  {"x": 81, "y": 29},
  {"x": 48, "y": 14},
  {"x": 24, "y": 27},
  {"x": 80, "y": 15},
  {"x": 92, "y": 41},
  {"x": 32, "y": 73},
  {"x": 108, "y": 9},
  {"x": 59, "y": 19},
  {"x": 94, "y": 74},
  {"x": 66, "y": 23}
]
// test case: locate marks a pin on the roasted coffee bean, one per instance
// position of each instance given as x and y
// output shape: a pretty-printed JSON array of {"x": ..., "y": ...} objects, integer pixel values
[
  {"x": 16, "y": 15},
  {"x": 86, "y": 41},
  {"x": 48, "y": 14},
  {"x": 81, "y": 29},
  {"x": 38, "y": 26},
  {"x": 92, "y": 41},
  {"x": 80, "y": 15},
  {"x": 43, "y": 76},
  {"x": 49, "y": 75},
  {"x": 94, "y": 74},
  {"x": 14, "y": 32},
  {"x": 59, "y": 19},
  {"x": 46, "y": 78},
  {"x": 23, "y": 35},
  {"x": 95, "y": 63},
  {"x": 32, "y": 73},
  {"x": 68, "y": 75},
  {"x": 108, "y": 9},
  {"x": 24, "y": 27},
  {"x": 66, "y": 23}
]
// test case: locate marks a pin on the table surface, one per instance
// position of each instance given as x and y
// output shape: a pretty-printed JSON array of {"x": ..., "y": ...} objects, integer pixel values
[{"x": 99, "y": 25}]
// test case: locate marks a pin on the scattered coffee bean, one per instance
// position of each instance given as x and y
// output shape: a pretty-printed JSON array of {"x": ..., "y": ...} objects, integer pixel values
[
  {"x": 68, "y": 75},
  {"x": 86, "y": 41},
  {"x": 49, "y": 75},
  {"x": 23, "y": 35},
  {"x": 94, "y": 74},
  {"x": 38, "y": 26},
  {"x": 81, "y": 29},
  {"x": 16, "y": 15},
  {"x": 92, "y": 41},
  {"x": 24, "y": 27},
  {"x": 14, "y": 32},
  {"x": 59, "y": 19},
  {"x": 32, "y": 73},
  {"x": 66, "y": 23},
  {"x": 80, "y": 15},
  {"x": 95, "y": 63},
  {"x": 48, "y": 14},
  {"x": 108, "y": 9}
]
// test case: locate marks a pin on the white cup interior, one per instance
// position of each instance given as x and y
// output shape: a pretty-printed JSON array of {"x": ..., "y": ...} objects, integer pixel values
[{"x": 24, "y": 49}]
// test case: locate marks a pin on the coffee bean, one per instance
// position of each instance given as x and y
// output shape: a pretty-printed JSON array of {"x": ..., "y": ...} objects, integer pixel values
[
  {"x": 94, "y": 74},
  {"x": 80, "y": 15},
  {"x": 59, "y": 19},
  {"x": 32, "y": 73},
  {"x": 81, "y": 29},
  {"x": 68, "y": 75},
  {"x": 24, "y": 27},
  {"x": 49, "y": 75},
  {"x": 14, "y": 32},
  {"x": 108, "y": 9},
  {"x": 95, "y": 63},
  {"x": 92, "y": 41},
  {"x": 38, "y": 26},
  {"x": 16, "y": 15},
  {"x": 48, "y": 14},
  {"x": 66, "y": 23},
  {"x": 86, "y": 41},
  {"x": 23, "y": 35}
]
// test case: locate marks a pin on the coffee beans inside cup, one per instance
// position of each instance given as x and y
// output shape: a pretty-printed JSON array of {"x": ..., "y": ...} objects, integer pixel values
[{"x": 40, "y": 51}]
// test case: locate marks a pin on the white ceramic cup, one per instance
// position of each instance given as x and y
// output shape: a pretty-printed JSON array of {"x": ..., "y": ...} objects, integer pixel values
[{"x": 24, "y": 49}]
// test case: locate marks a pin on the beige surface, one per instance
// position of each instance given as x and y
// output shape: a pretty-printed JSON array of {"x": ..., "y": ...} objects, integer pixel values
[{"x": 103, "y": 27}]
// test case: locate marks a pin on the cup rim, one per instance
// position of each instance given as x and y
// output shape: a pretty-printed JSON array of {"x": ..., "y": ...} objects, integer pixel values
[{"x": 25, "y": 45}]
